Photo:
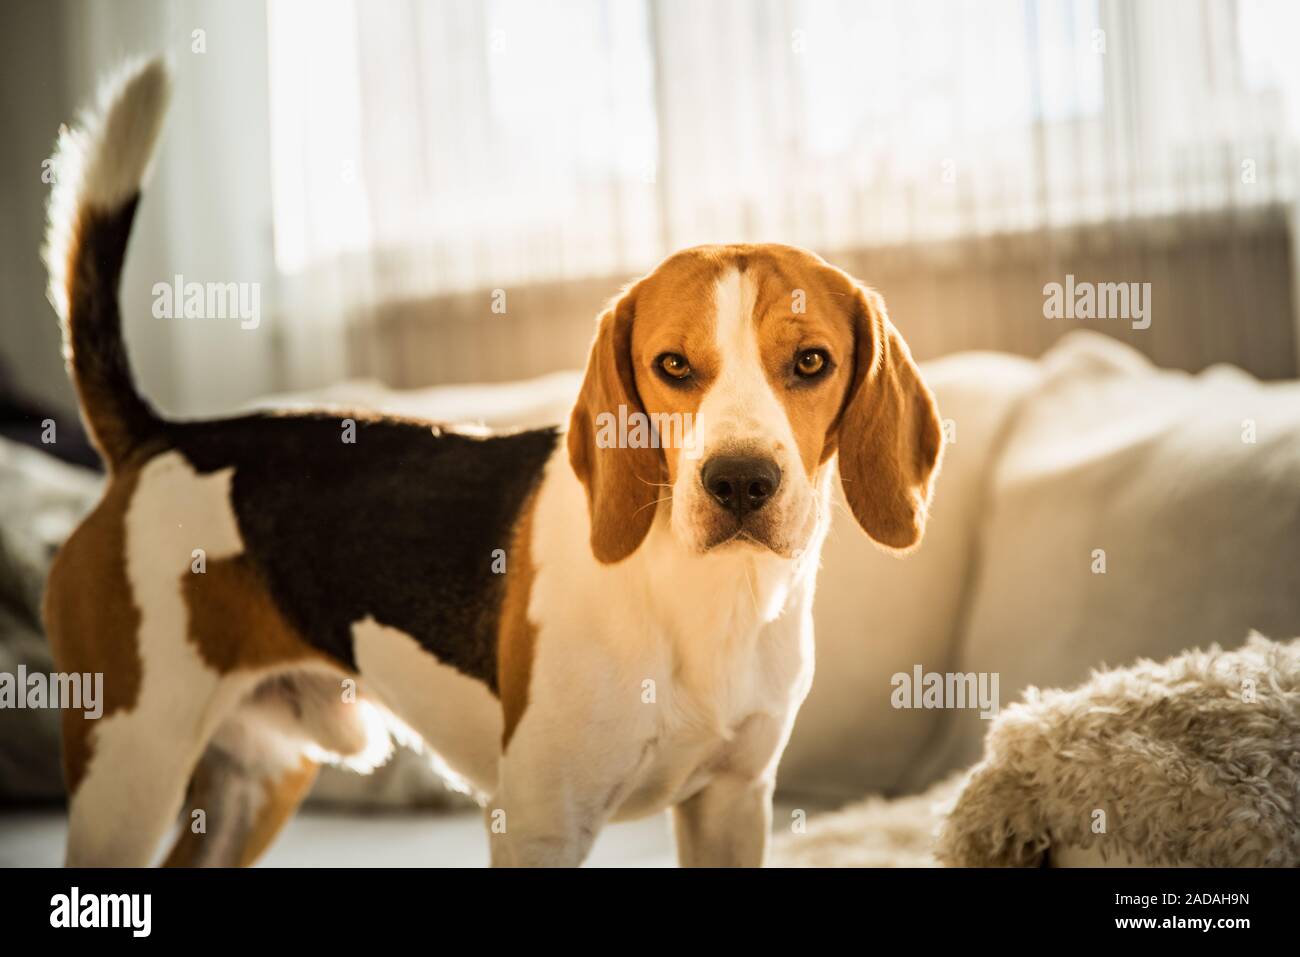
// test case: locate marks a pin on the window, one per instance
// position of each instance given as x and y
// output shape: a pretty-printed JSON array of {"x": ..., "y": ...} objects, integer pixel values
[{"x": 468, "y": 145}]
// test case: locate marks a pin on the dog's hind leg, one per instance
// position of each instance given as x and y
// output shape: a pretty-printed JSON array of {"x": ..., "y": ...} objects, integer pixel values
[
  {"x": 140, "y": 761},
  {"x": 116, "y": 611},
  {"x": 145, "y": 714},
  {"x": 183, "y": 645},
  {"x": 134, "y": 783},
  {"x": 235, "y": 809},
  {"x": 262, "y": 762}
]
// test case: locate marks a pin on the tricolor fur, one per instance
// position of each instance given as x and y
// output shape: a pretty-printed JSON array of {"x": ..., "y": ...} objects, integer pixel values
[{"x": 578, "y": 633}]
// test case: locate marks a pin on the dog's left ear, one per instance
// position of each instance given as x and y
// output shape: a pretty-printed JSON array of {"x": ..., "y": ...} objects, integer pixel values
[{"x": 890, "y": 438}]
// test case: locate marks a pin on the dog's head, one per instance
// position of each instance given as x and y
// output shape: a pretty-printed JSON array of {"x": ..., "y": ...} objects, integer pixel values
[{"x": 721, "y": 384}]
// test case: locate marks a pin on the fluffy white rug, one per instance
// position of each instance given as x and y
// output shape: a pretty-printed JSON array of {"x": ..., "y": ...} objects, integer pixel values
[
  {"x": 877, "y": 832},
  {"x": 1194, "y": 761}
]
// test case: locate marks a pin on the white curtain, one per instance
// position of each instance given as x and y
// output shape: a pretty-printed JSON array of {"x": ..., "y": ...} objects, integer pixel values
[{"x": 420, "y": 148}]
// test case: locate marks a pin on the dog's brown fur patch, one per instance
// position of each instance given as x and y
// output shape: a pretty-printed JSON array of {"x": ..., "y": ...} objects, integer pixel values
[
  {"x": 234, "y": 623},
  {"x": 517, "y": 634},
  {"x": 282, "y": 797},
  {"x": 92, "y": 620}
]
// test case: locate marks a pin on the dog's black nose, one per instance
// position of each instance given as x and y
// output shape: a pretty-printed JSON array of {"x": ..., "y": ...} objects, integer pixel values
[{"x": 740, "y": 483}]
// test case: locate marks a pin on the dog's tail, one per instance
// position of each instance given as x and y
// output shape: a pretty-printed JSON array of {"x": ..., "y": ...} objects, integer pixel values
[{"x": 98, "y": 168}]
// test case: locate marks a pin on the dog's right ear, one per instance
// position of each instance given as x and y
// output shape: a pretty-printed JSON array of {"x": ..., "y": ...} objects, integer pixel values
[{"x": 622, "y": 483}]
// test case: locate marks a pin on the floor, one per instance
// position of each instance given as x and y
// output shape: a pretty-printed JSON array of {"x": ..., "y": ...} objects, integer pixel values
[{"x": 317, "y": 838}]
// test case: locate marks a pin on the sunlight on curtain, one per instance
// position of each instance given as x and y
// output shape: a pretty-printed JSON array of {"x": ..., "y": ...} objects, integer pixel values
[
  {"x": 472, "y": 145},
  {"x": 463, "y": 143}
]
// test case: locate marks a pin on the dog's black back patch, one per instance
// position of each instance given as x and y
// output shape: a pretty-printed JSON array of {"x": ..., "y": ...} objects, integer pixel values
[{"x": 400, "y": 525}]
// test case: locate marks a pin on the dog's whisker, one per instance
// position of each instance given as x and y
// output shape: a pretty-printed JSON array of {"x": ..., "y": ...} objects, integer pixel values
[{"x": 658, "y": 501}]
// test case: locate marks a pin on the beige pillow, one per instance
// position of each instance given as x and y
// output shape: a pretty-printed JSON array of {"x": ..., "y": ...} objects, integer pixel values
[{"x": 1133, "y": 512}]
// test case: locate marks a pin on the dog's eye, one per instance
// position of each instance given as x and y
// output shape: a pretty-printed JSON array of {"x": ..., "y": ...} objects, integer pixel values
[
  {"x": 674, "y": 366},
  {"x": 810, "y": 363}
]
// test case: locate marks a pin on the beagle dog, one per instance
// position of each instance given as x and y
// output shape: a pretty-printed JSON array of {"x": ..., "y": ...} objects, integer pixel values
[{"x": 580, "y": 627}]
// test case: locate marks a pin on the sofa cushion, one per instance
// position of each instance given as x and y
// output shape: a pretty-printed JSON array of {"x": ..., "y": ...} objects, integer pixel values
[{"x": 1134, "y": 512}]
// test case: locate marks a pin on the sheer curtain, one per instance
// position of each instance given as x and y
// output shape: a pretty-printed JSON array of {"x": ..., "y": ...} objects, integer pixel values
[{"x": 467, "y": 145}]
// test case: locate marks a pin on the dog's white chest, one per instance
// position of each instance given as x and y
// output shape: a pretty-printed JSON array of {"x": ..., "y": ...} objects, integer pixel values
[
  {"x": 730, "y": 719},
  {"x": 674, "y": 768}
]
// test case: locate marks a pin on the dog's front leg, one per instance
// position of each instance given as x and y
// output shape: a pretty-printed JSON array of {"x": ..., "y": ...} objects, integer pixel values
[
  {"x": 726, "y": 824},
  {"x": 557, "y": 788},
  {"x": 546, "y": 832}
]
